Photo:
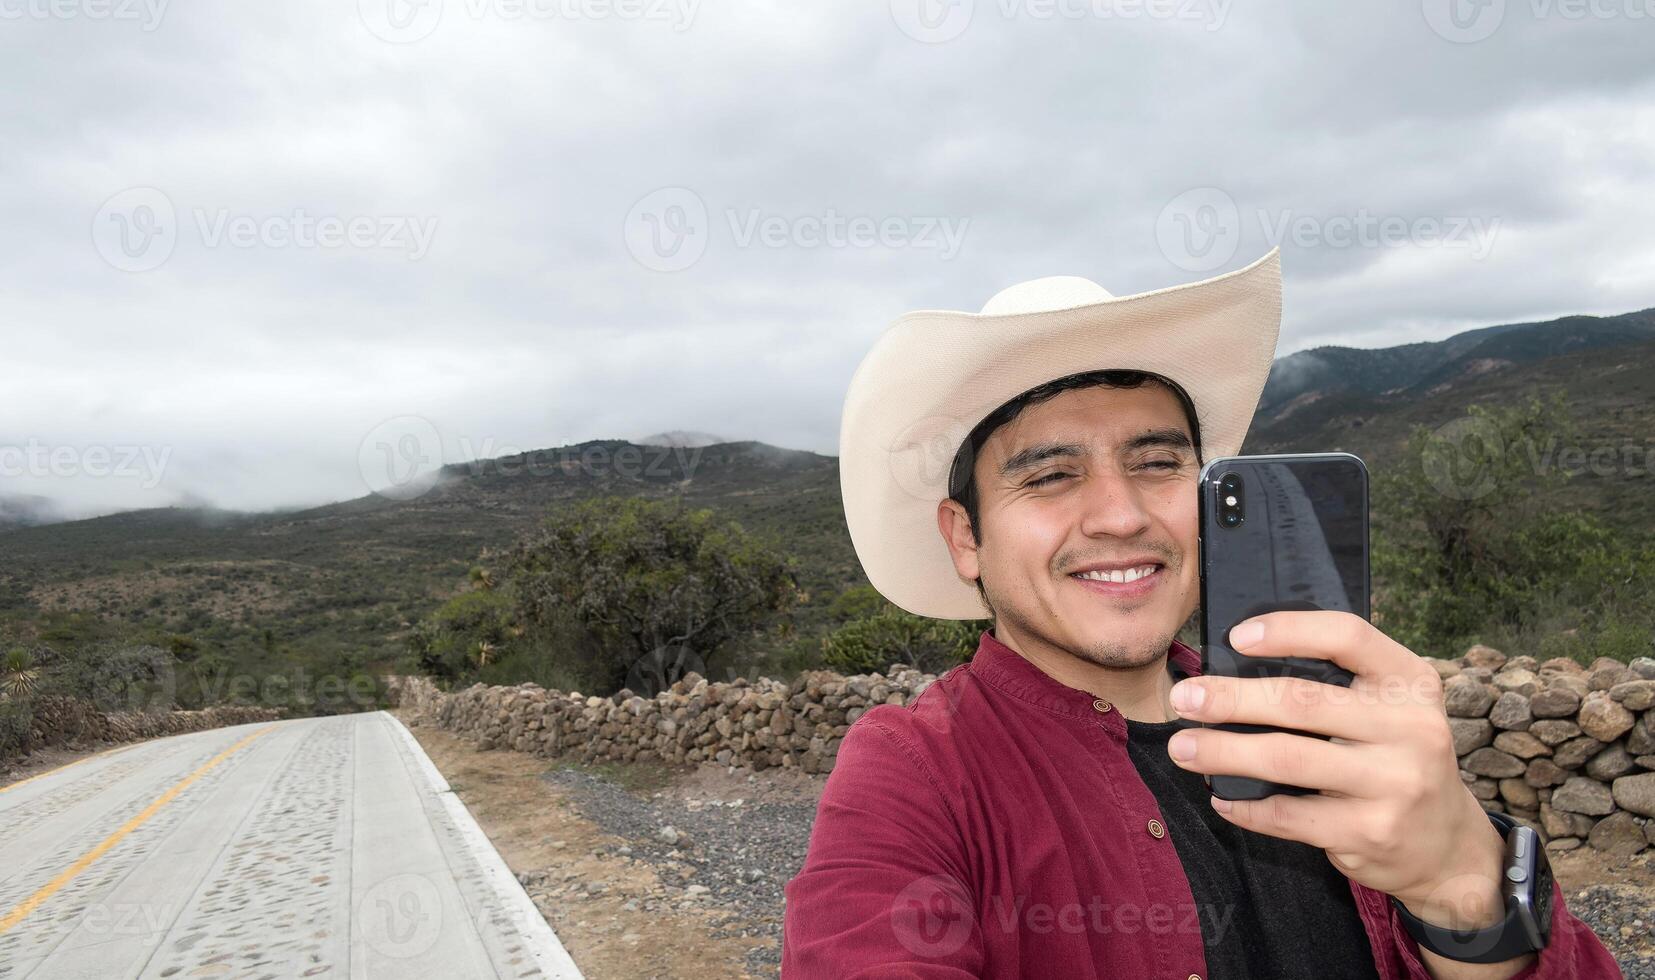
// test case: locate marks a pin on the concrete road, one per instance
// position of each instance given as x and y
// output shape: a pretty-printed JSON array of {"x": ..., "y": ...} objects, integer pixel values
[{"x": 325, "y": 847}]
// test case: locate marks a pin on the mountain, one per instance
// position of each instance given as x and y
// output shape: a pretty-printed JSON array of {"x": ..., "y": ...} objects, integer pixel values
[
  {"x": 679, "y": 437},
  {"x": 346, "y": 579},
  {"x": 27, "y": 510}
]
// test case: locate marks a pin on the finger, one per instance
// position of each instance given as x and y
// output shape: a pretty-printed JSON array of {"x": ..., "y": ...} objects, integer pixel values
[
  {"x": 1313, "y": 820},
  {"x": 1324, "y": 634},
  {"x": 1280, "y": 757},
  {"x": 1282, "y": 702}
]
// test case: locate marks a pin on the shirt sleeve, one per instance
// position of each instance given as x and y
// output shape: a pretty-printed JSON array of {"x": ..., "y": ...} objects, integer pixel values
[
  {"x": 883, "y": 892},
  {"x": 1573, "y": 951}
]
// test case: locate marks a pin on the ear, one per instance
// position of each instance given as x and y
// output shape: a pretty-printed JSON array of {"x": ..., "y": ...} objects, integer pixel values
[{"x": 956, "y": 533}]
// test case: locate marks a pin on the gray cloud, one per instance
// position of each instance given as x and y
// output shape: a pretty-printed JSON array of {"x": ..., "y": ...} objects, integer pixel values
[{"x": 1050, "y": 144}]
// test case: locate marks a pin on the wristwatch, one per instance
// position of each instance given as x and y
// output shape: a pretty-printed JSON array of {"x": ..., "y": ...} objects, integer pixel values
[{"x": 1526, "y": 887}]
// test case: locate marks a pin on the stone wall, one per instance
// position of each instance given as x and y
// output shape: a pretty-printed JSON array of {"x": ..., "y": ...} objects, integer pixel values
[
  {"x": 1568, "y": 749},
  {"x": 63, "y": 721},
  {"x": 1565, "y": 748}
]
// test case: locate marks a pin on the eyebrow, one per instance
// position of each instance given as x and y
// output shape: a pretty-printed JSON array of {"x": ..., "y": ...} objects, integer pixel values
[{"x": 1032, "y": 456}]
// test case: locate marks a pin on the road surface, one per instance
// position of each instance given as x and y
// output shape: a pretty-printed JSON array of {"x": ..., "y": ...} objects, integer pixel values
[{"x": 320, "y": 847}]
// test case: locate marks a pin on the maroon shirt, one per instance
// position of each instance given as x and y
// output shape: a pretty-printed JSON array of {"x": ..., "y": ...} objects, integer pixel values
[{"x": 997, "y": 827}]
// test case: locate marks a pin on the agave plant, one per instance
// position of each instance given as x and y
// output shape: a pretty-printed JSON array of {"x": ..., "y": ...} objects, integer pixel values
[
  {"x": 18, "y": 674},
  {"x": 485, "y": 653},
  {"x": 482, "y": 578}
]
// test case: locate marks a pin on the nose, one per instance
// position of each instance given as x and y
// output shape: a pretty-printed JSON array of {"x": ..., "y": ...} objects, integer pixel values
[{"x": 1112, "y": 505}]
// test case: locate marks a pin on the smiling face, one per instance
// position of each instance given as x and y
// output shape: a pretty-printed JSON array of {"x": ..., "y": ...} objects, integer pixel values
[{"x": 1093, "y": 476}]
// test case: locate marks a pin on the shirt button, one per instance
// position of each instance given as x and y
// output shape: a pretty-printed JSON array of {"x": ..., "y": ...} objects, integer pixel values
[
  {"x": 1102, "y": 705},
  {"x": 1155, "y": 829},
  {"x": 1195, "y": 976}
]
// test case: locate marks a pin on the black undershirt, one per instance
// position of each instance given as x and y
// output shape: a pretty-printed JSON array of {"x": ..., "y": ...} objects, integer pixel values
[{"x": 1270, "y": 908}]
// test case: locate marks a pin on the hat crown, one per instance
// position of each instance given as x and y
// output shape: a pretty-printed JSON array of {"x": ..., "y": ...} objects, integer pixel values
[{"x": 1041, "y": 295}]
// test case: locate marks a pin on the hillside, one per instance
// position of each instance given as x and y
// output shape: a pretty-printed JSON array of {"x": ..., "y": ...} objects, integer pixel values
[{"x": 340, "y": 584}]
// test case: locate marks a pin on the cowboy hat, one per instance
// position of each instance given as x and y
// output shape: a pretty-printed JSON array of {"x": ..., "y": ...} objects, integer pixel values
[{"x": 934, "y": 374}]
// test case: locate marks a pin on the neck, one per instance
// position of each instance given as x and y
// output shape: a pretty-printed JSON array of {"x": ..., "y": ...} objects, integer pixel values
[{"x": 1140, "y": 693}]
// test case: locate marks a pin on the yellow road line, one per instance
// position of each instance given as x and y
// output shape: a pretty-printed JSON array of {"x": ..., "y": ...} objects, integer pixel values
[
  {"x": 33, "y": 902},
  {"x": 68, "y": 765}
]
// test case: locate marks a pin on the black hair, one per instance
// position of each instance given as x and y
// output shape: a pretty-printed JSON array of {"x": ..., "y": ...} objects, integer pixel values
[{"x": 962, "y": 475}]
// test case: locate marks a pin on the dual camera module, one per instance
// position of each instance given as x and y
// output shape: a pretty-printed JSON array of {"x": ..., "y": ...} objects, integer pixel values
[{"x": 1231, "y": 509}]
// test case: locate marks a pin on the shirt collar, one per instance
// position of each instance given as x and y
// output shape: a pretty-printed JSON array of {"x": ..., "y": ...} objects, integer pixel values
[{"x": 1007, "y": 670}]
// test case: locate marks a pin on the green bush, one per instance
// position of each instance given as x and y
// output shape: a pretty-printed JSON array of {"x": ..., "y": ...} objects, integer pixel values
[{"x": 890, "y": 635}]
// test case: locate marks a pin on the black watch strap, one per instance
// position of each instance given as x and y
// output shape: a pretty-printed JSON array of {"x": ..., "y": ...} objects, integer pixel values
[{"x": 1510, "y": 937}]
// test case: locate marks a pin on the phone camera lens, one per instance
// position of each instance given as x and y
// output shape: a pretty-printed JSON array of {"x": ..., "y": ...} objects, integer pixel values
[{"x": 1231, "y": 519}]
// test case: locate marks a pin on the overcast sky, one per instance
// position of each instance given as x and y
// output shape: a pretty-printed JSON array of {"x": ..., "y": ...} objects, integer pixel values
[{"x": 251, "y": 249}]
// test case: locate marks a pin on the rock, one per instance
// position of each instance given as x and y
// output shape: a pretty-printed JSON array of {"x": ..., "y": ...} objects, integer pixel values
[
  {"x": 1524, "y": 662},
  {"x": 1482, "y": 675},
  {"x": 1554, "y": 731},
  {"x": 1465, "y": 697},
  {"x": 1607, "y": 674},
  {"x": 1544, "y": 772},
  {"x": 669, "y": 834},
  {"x": 1521, "y": 744},
  {"x": 1559, "y": 844},
  {"x": 1636, "y": 793},
  {"x": 1470, "y": 734},
  {"x": 1518, "y": 793},
  {"x": 1484, "y": 656},
  {"x": 1493, "y": 762},
  {"x": 1554, "y": 702},
  {"x": 1582, "y": 795},
  {"x": 1638, "y": 695},
  {"x": 1484, "y": 788},
  {"x": 1644, "y": 761},
  {"x": 1602, "y": 718},
  {"x": 1510, "y": 711},
  {"x": 1641, "y": 739},
  {"x": 1644, "y": 667},
  {"x": 1611, "y": 762},
  {"x": 1574, "y": 753},
  {"x": 1574, "y": 683},
  {"x": 1617, "y": 834},
  {"x": 1444, "y": 668},
  {"x": 1555, "y": 824},
  {"x": 1561, "y": 665},
  {"x": 1517, "y": 680}
]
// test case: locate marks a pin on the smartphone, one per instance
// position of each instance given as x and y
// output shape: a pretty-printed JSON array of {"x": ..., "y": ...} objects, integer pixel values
[{"x": 1281, "y": 532}]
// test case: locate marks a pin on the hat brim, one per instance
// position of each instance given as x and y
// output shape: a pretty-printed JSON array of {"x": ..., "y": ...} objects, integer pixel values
[{"x": 934, "y": 374}]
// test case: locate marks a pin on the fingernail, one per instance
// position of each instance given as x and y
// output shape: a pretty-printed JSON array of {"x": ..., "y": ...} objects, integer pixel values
[
  {"x": 1246, "y": 634},
  {"x": 1222, "y": 806},
  {"x": 1188, "y": 696},
  {"x": 1182, "y": 746}
]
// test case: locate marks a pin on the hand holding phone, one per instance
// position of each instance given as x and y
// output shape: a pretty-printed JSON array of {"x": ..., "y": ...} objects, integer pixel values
[{"x": 1278, "y": 532}]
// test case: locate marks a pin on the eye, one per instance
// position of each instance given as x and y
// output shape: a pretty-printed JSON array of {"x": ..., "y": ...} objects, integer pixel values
[
  {"x": 1170, "y": 464},
  {"x": 1046, "y": 479}
]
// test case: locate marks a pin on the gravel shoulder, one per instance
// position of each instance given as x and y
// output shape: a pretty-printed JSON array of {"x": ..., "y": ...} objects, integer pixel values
[{"x": 649, "y": 870}]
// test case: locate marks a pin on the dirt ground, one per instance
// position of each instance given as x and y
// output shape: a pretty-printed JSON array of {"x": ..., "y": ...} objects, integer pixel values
[{"x": 593, "y": 895}]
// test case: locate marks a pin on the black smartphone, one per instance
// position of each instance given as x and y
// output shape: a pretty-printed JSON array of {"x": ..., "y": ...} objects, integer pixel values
[{"x": 1281, "y": 532}]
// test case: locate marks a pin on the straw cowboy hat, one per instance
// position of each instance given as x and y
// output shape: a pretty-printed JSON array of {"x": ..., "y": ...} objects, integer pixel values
[{"x": 934, "y": 374}]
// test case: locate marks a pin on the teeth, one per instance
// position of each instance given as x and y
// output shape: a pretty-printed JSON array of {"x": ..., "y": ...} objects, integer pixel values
[{"x": 1119, "y": 575}]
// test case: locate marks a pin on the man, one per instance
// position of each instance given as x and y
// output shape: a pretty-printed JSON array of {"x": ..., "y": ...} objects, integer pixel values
[{"x": 1041, "y": 811}]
